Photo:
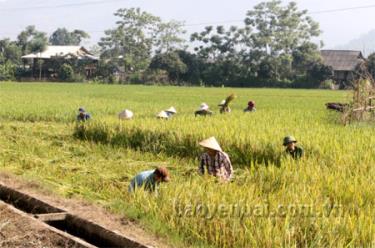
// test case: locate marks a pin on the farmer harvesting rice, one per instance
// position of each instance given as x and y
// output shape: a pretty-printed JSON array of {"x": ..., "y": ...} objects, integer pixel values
[
  {"x": 224, "y": 108},
  {"x": 162, "y": 115},
  {"x": 224, "y": 104},
  {"x": 149, "y": 179},
  {"x": 171, "y": 111},
  {"x": 83, "y": 115},
  {"x": 215, "y": 161},
  {"x": 340, "y": 107},
  {"x": 125, "y": 115},
  {"x": 291, "y": 148},
  {"x": 203, "y": 110},
  {"x": 250, "y": 107}
]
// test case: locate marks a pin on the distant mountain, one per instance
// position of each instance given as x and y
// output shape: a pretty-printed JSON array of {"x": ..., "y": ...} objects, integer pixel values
[{"x": 365, "y": 43}]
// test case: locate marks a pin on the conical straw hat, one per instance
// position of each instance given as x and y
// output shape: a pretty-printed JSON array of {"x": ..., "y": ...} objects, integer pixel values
[
  {"x": 125, "y": 115},
  {"x": 211, "y": 143},
  {"x": 163, "y": 115},
  {"x": 172, "y": 110},
  {"x": 204, "y": 106}
]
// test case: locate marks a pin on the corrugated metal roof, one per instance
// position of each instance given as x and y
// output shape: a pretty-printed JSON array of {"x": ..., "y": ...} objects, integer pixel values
[
  {"x": 62, "y": 51},
  {"x": 342, "y": 60}
]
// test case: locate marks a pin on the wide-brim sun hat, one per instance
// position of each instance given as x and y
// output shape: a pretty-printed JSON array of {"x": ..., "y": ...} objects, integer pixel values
[
  {"x": 211, "y": 143},
  {"x": 162, "y": 115},
  {"x": 289, "y": 139},
  {"x": 172, "y": 110},
  {"x": 126, "y": 115},
  {"x": 204, "y": 106}
]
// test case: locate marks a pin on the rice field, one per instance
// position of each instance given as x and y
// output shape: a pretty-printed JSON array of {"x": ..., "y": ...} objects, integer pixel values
[{"x": 326, "y": 199}]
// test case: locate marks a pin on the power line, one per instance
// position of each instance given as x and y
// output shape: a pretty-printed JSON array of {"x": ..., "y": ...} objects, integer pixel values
[
  {"x": 342, "y": 9},
  {"x": 98, "y": 2},
  {"x": 310, "y": 13},
  {"x": 185, "y": 25},
  {"x": 61, "y": 5},
  {"x": 211, "y": 23}
]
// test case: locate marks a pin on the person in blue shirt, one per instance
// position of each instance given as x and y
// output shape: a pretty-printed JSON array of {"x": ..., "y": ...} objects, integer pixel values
[
  {"x": 83, "y": 115},
  {"x": 149, "y": 179}
]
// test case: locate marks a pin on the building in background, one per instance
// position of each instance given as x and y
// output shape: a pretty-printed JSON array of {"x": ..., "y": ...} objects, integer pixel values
[
  {"x": 46, "y": 64},
  {"x": 346, "y": 65}
]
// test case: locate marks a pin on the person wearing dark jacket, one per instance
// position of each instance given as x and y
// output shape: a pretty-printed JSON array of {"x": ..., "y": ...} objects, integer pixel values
[
  {"x": 203, "y": 110},
  {"x": 83, "y": 115},
  {"x": 292, "y": 149}
]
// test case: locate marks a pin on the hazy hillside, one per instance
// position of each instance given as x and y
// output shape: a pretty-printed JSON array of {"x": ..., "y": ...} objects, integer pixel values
[{"x": 365, "y": 43}]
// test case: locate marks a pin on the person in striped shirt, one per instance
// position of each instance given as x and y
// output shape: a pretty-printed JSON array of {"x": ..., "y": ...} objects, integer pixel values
[{"x": 214, "y": 161}]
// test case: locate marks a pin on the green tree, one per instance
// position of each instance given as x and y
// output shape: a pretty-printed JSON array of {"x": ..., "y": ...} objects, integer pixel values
[
  {"x": 9, "y": 51},
  {"x": 216, "y": 43},
  {"x": 66, "y": 73},
  {"x": 218, "y": 48},
  {"x": 304, "y": 57},
  {"x": 171, "y": 63},
  {"x": 30, "y": 40},
  {"x": 371, "y": 64},
  {"x": 194, "y": 66},
  {"x": 317, "y": 73},
  {"x": 130, "y": 43},
  {"x": 168, "y": 36},
  {"x": 7, "y": 70},
  {"x": 274, "y": 45},
  {"x": 279, "y": 29},
  {"x": 282, "y": 35},
  {"x": 37, "y": 45},
  {"x": 62, "y": 37}
]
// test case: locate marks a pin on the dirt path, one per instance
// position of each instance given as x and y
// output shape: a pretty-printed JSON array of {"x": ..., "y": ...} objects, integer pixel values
[{"x": 14, "y": 226}]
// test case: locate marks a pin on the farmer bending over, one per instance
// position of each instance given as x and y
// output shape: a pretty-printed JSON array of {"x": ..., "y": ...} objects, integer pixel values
[
  {"x": 126, "y": 115},
  {"x": 171, "y": 112},
  {"x": 163, "y": 115},
  {"x": 291, "y": 148},
  {"x": 250, "y": 107},
  {"x": 215, "y": 161},
  {"x": 224, "y": 108},
  {"x": 203, "y": 110},
  {"x": 83, "y": 115},
  {"x": 224, "y": 104},
  {"x": 149, "y": 179}
]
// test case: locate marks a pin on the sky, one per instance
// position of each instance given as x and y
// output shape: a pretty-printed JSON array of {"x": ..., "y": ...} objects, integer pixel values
[{"x": 95, "y": 16}]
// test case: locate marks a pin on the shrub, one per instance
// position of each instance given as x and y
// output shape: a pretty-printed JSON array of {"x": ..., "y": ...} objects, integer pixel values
[
  {"x": 156, "y": 77},
  {"x": 327, "y": 84},
  {"x": 7, "y": 71},
  {"x": 66, "y": 73}
]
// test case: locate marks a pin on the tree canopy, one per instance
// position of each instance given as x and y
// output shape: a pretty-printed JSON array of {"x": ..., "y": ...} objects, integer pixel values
[
  {"x": 62, "y": 37},
  {"x": 276, "y": 45}
]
